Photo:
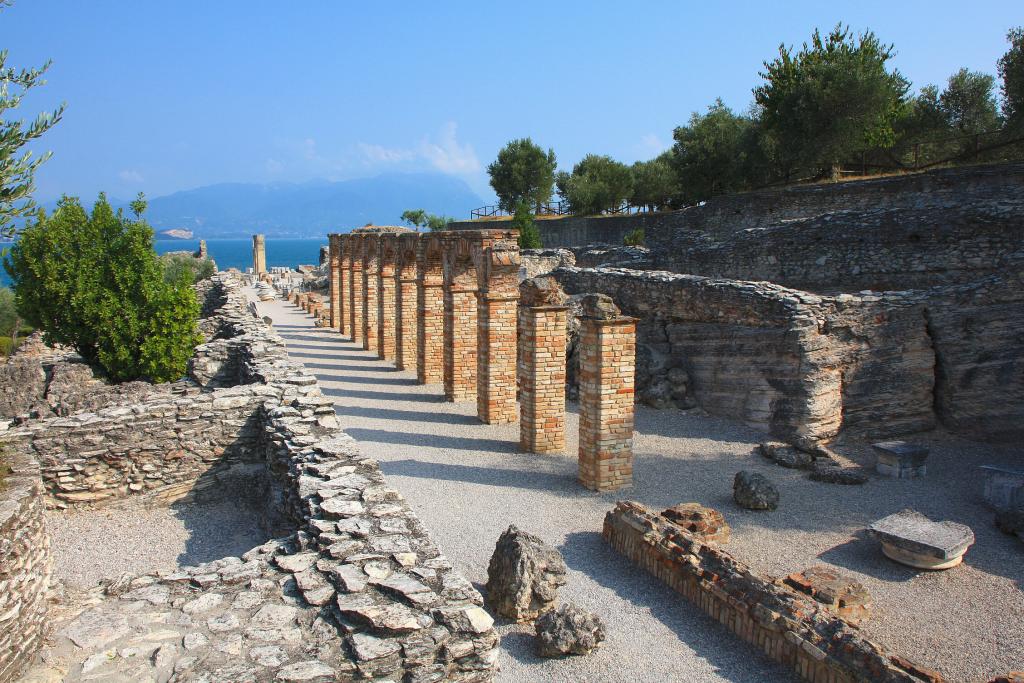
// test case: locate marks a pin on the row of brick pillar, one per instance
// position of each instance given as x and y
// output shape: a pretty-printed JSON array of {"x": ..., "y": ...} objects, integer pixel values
[{"x": 446, "y": 304}]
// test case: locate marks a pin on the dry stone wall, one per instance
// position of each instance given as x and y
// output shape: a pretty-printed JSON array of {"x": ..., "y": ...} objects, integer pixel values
[
  {"x": 359, "y": 591},
  {"x": 25, "y": 563}
]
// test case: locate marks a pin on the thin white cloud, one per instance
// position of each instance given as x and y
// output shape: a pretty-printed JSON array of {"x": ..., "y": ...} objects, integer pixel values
[
  {"x": 447, "y": 155},
  {"x": 132, "y": 176},
  {"x": 651, "y": 146},
  {"x": 376, "y": 154}
]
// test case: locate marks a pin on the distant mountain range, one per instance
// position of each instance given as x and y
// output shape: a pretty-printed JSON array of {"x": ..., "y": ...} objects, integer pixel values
[{"x": 306, "y": 209}]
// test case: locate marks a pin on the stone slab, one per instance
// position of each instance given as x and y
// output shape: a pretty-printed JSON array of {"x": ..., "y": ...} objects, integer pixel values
[
  {"x": 900, "y": 459},
  {"x": 913, "y": 539},
  {"x": 1004, "y": 487}
]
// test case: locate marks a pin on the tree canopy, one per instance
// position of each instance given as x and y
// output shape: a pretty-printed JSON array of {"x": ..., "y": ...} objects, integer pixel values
[
  {"x": 522, "y": 172},
  {"x": 712, "y": 154},
  {"x": 1011, "y": 72},
  {"x": 834, "y": 97},
  {"x": 654, "y": 182},
  {"x": 597, "y": 183},
  {"x": 94, "y": 282},
  {"x": 969, "y": 103},
  {"x": 18, "y": 166}
]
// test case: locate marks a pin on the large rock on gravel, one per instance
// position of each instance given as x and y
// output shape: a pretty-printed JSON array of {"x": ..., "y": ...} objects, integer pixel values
[
  {"x": 699, "y": 520},
  {"x": 753, "y": 491},
  {"x": 568, "y": 630},
  {"x": 831, "y": 473},
  {"x": 786, "y": 455},
  {"x": 523, "y": 576}
]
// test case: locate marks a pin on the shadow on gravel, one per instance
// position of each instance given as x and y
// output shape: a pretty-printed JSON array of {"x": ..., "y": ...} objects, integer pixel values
[
  {"x": 586, "y": 552},
  {"x": 862, "y": 554},
  {"x": 353, "y": 368},
  {"x": 561, "y": 483},
  {"x": 432, "y": 440},
  {"x": 217, "y": 530},
  {"x": 381, "y": 396},
  {"x": 404, "y": 381},
  {"x": 410, "y": 415}
]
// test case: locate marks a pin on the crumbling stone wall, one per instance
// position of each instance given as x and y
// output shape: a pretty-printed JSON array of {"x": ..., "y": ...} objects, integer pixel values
[
  {"x": 788, "y": 627},
  {"x": 25, "y": 563}
]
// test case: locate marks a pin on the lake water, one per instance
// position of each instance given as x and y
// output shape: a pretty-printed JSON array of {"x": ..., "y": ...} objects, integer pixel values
[{"x": 237, "y": 253}]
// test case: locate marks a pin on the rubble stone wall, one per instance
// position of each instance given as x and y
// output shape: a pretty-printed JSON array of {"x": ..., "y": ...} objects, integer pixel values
[
  {"x": 25, "y": 563},
  {"x": 792, "y": 629}
]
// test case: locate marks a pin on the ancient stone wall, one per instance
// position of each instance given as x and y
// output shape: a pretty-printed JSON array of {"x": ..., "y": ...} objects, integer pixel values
[
  {"x": 788, "y": 627},
  {"x": 25, "y": 563},
  {"x": 945, "y": 226}
]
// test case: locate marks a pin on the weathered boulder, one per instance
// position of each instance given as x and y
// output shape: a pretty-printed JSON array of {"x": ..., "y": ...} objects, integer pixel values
[
  {"x": 599, "y": 307},
  {"x": 568, "y": 630},
  {"x": 831, "y": 473},
  {"x": 754, "y": 491},
  {"x": 786, "y": 455},
  {"x": 523, "y": 576},
  {"x": 705, "y": 522}
]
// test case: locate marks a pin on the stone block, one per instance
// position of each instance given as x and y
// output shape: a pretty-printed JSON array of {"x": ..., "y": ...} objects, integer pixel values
[
  {"x": 910, "y": 538},
  {"x": 900, "y": 459},
  {"x": 1004, "y": 487},
  {"x": 705, "y": 522},
  {"x": 840, "y": 593}
]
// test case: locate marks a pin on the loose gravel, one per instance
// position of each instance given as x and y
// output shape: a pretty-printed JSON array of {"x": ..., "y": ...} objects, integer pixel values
[
  {"x": 89, "y": 546},
  {"x": 468, "y": 482}
]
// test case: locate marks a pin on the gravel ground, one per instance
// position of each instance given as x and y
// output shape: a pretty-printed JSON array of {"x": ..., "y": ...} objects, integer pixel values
[
  {"x": 468, "y": 482},
  {"x": 89, "y": 546}
]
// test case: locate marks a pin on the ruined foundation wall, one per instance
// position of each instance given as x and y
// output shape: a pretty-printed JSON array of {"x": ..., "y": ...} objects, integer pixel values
[
  {"x": 25, "y": 563},
  {"x": 790, "y": 362},
  {"x": 791, "y": 629}
]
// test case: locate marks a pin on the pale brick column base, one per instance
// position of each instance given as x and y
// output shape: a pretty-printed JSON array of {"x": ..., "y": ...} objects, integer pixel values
[
  {"x": 429, "y": 333},
  {"x": 406, "y": 324},
  {"x": 542, "y": 379},
  {"x": 460, "y": 345},
  {"x": 496, "y": 359},
  {"x": 607, "y": 373}
]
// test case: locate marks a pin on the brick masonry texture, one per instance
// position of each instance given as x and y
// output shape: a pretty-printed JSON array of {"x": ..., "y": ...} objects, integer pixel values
[
  {"x": 788, "y": 627},
  {"x": 354, "y": 249},
  {"x": 430, "y": 311},
  {"x": 25, "y": 563},
  {"x": 371, "y": 269},
  {"x": 607, "y": 373},
  {"x": 803, "y": 365},
  {"x": 334, "y": 278},
  {"x": 386, "y": 298},
  {"x": 406, "y": 302},
  {"x": 542, "y": 384},
  {"x": 358, "y": 591}
]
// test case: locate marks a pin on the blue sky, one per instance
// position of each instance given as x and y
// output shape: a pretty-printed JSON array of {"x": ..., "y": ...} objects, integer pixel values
[{"x": 167, "y": 96}]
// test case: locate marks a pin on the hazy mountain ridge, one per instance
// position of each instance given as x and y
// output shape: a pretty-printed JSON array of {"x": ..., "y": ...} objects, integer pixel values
[{"x": 308, "y": 209}]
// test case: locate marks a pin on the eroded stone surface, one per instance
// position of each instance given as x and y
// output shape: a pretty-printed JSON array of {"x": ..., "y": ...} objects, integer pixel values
[
  {"x": 568, "y": 630},
  {"x": 913, "y": 533},
  {"x": 704, "y": 522},
  {"x": 524, "y": 576},
  {"x": 754, "y": 491}
]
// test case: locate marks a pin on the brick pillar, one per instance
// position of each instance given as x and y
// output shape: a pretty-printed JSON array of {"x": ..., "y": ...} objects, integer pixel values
[
  {"x": 542, "y": 379},
  {"x": 356, "y": 288},
  {"x": 607, "y": 370},
  {"x": 386, "y": 300},
  {"x": 370, "y": 271},
  {"x": 497, "y": 267},
  {"x": 405, "y": 324},
  {"x": 334, "y": 267},
  {"x": 459, "y": 343},
  {"x": 345, "y": 290},
  {"x": 429, "y": 330}
]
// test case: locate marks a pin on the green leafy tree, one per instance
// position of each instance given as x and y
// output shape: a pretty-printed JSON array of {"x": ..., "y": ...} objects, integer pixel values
[
  {"x": 710, "y": 155},
  {"x": 175, "y": 263},
  {"x": 529, "y": 233},
  {"x": 416, "y": 218},
  {"x": 94, "y": 282},
  {"x": 436, "y": 223},
  {"x": 831, "y": 99},
  {"x": 969, "y": 102},
  {"x": 654, "y": 182},
  {"x": 1011, "y": 73},
  {"x": 634, "y": 238},
  {"x": 17, "y": 167},
  {"x": 522, "y": 172},
  {"x": 597, "y": 183}
]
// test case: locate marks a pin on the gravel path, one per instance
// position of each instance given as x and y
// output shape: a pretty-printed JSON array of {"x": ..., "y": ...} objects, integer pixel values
[
  {"x": 93, "y": 545},
  {"x": 468, "y": 482}
]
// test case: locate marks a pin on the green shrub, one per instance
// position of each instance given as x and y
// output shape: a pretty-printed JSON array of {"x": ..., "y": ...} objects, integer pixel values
[
  {"x": 93, "y": 282},
  {"x": 634, "y": 238},
  {"x": 176, "y": 262},
  {"x": 529, "y": 234}
]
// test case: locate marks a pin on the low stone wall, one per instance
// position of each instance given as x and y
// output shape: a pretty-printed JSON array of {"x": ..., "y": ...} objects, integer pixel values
[
  {"x": 359, "y": 590},
  {"x": 792, "y": 629},
  {"x": 576, "y": 231},
  {"x": 25, "y": 563}
]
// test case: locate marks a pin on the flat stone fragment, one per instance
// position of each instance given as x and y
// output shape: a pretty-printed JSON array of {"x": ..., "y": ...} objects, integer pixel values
[
  {"x": 296, "y": 563},
  {"x": 309, "y": 671},
  {"x": 335, "y": 508},
  {"x": 268, "y": 655},
  {"x": 204, "y": 603},
  {"x": 274, "y": 616},
  {"x": 95, "y": 628},
  {"x": 900, "y": 459},
  {"x": 1004, "y": 488},
  {"x": 911, "y": 538},
  {"x": 368, "y": 648}
]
